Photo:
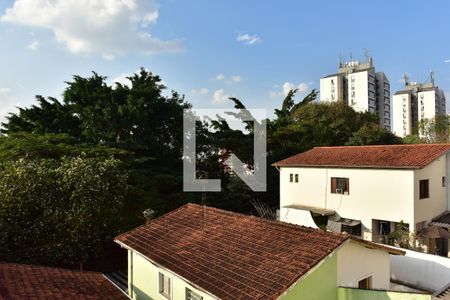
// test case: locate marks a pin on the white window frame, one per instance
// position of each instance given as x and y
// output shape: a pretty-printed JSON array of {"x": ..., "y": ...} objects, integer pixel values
[
  {"x": 161, "y": 276},
  {"x": 195, "y": 296}
]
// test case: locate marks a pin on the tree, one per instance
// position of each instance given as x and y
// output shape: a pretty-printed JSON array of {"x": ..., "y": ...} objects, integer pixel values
[
  {"x": 435, "y": 130},
  {"x": 373, "y": 134},
  {"x": 57, "y": 213}
]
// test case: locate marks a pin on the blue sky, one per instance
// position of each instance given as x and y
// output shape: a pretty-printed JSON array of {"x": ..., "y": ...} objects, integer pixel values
[{"x": 194, "y": 45}]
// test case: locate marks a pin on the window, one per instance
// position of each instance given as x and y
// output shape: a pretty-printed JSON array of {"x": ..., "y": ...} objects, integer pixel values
[
  {"x": 340, "y": 185},
  {"x": 291, "y": 177},
  {"x": 164, "y": 286},
  {"x": 365, "y": 283},
  {"x": 191, "y": 295},
  {"x": 384, "y": 228},
  {"x": 444, "y": 181},
  {"x": 424, "y": 189},
  {"x": 296, "y": 178}
]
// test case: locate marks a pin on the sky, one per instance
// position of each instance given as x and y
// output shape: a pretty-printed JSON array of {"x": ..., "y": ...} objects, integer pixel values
[{"x": 210, "y": 50}]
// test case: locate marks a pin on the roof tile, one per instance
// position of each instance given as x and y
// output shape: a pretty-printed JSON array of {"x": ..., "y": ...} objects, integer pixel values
[
  {"x": 19, "y": 281},
  {"x": 383, "y": 156}
]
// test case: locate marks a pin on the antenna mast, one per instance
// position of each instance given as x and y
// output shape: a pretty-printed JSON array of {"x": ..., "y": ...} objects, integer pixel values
[
  {"x": 432, "y": 77},
  {"x": 406, "y": 79}
]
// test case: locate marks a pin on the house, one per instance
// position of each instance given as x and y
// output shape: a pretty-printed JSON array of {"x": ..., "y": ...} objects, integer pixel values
[
  {"x": 202, "y": 253},
  {"x": 370, "y": 191},
  {"x": 18, "y": 281}
]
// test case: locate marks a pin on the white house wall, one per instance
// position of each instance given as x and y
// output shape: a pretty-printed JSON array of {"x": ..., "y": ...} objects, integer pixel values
[
  {"x": 436, "y": 204},
  {"x": 356, "y": 262},
  {"x": 374, "y": 193}
]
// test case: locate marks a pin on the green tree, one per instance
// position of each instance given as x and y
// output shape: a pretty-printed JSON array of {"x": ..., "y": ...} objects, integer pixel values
[
  {"x": 54, "y": 212},
  {"x": 373, "y": 134}
]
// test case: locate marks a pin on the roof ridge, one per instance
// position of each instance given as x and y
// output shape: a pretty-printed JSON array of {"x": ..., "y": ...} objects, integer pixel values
[
  {"x": 264, "y": 220},
  {"x": 378, "y": 146},
  {"x": 153, "y": 220},
  {"x": 2, "y": 262}
]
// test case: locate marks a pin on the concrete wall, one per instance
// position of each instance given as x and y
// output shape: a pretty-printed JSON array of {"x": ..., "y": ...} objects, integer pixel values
[
  {"x": 426, "y": 271},
  {"x": 326, "y": 88},
  {"x": 384, "y": 99},
  {"x": 398, "y": 113},
  {"x": 355, "y": 262},
  {"x": 436, "y": 204},
  {"x": 361, "y": 84},
  {"x": 374, "y": 194},
  {"x": 428, "y": 101},
  {"x": 358, "y": 294},
  {"x": 143, "y": 281}
]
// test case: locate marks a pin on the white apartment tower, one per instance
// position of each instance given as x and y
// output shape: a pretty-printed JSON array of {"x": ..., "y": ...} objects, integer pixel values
[
  {"x": 416, "y": 102},
  {"x": 359, "y": 86}
]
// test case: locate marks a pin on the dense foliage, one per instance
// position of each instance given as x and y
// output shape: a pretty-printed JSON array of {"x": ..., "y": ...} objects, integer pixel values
[{"x": 59, "y": 212}]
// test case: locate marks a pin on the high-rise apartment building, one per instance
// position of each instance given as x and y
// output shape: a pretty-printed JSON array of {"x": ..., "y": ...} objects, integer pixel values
[
  {"x": 358, "y": 85},
  {"x": 416, "y": 102}
]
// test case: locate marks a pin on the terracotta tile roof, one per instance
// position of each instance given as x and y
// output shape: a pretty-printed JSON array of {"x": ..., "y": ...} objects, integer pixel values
[
  {"x": 384, "y": 156},
  {"x": 233, "y": 256},
  {"x": 19, "y": 281}
]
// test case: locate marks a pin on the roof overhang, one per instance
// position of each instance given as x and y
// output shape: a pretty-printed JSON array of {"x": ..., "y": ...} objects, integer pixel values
[
  {"x": 372, "y": 245},
  {"x": 441, "y": 221},
  {"x": 345, "y": 166},
  {"x": 316, "y": 210}
]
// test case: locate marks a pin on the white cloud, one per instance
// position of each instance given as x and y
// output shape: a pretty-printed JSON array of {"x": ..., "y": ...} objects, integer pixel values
[
  {"x": 286, "y": 87},
  {"x": 220, "y": 76},
  {"x": 8, "y": 102},
  {"x": 447, "y": 61},
  {"x": 201, "y": 91},
  {"x": 228, "y": 79},
  {"x": 219, "y": 96},
  {"x": 34, "y": 45},
  {"x": 105, "y": 27},
  {"x": 273, "y": 94},
  {"x": 4, "y": 91},
  {"x": 122, "y": 79},
  {"x": 249, "y": 39},
  {"x": 236, "y": 78}
]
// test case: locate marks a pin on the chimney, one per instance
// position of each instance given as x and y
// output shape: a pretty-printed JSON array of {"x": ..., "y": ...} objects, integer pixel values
[{"x": 149, "y": 214}]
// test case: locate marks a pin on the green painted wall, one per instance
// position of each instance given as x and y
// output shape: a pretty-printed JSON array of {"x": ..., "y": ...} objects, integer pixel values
[
  {"x": 356, "y": 294},
  {"x": 143, "y": 281},
  {"x": 319, "y": 285}
]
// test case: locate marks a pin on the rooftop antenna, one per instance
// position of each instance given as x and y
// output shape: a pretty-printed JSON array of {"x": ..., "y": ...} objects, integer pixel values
[
  {"x": 406, "y": 79},
  {"x": 351, "y": 56},
  {"x": 432, "y": 77},
  {"x": 367, "y": 55},
  {"x": 340, "y": 60}
]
